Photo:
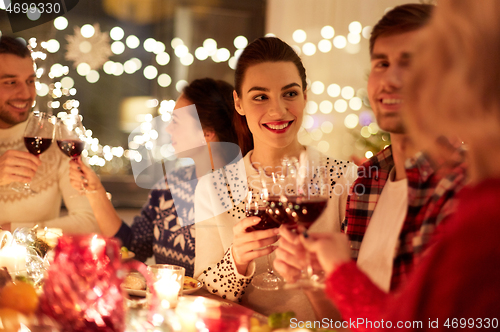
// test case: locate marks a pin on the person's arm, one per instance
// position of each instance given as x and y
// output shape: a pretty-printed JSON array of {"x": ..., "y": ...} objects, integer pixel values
[
  {"x": 352, "y": 292},
  {"x": 80, "y": 218},
  {"x": 107, "y": 218},
  {"x": 220, "y": 271},
  {"x": 214, "y": 264},
  {"x": 139, "y": 237},
  {"x": 224, "y": 257},
  {"x": 290, "y": 260}
]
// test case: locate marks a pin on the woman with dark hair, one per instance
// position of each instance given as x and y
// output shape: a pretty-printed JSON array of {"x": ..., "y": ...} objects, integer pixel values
[
  {"x": 270, "y": 97},
  {"x": 165, "y": 229}
]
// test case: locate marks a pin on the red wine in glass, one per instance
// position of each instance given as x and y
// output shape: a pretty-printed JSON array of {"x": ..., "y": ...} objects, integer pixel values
[
  {"x": 264, "y": 223},
  {"x": 38, "y": 136},
  {"x": 305, "y": 211},
  {"x": 71, "y": 147},
  {"x": 37, "y": 145},
  {"x": 70, "y": 136},
  {"x": 276, "y": 209},
  {"x": 256, "y": 206}
]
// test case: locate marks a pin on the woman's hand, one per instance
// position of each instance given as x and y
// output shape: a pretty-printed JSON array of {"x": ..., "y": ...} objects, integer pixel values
[
  {"x": 81, "y": 176},
  {"x": 248, "y": 246},
  {"x": 331, "y": 249}
]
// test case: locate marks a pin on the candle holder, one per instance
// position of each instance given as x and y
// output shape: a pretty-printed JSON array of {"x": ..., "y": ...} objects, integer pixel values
[
  {"x": 198, "y": 314},
  {"x": 168, "y": 283}
]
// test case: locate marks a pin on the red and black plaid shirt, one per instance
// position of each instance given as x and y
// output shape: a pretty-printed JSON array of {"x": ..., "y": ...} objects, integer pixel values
[{"x": 430, "y": 201}]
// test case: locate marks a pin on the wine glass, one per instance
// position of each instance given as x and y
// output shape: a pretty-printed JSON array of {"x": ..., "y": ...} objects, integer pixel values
[
  {"x": 70, "y": 135},
  {"x": 305, "y": 206},
  {"x": 256, "y": 206},
  {"x": 38, "y": 137},
  {"x": 277, "y": 200}
]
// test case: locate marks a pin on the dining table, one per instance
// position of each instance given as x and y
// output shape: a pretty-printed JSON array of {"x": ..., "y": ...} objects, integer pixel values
[{"x": 95, "y": 260}]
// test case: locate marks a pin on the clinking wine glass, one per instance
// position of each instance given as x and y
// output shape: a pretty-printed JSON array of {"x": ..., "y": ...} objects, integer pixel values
[
  {"x": 38, "y": 137},
  {"x": 70, "y": 135},
  {"x": 255, "y": 206},
  {"x": 277, "y": 200},
  {"x": 305, "y": 206}
]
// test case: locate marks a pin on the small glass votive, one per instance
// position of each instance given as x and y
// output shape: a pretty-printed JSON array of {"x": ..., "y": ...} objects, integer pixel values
[{"x": 168, "y": 283}]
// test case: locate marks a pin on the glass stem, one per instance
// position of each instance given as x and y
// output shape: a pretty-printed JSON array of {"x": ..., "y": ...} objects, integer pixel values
[
  {"x": 309, "y": 269},
  {"x": 269, "y": 265}
]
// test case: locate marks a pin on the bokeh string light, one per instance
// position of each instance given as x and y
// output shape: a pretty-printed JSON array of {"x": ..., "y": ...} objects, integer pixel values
[{"x": 61, "y": 89}]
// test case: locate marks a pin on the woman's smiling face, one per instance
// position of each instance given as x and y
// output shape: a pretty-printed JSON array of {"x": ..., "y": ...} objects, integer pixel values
[{"x": 273, "y": 101}]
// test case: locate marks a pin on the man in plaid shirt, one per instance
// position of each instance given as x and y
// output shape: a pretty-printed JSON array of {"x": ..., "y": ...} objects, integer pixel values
[{"x": 396, "y": 202}]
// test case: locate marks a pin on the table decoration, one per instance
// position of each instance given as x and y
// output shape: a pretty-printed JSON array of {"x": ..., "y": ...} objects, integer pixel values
[
  {"x": 82, "y": 290},
  {"x": 49, "y": 235},
  {"x": 20, "y": 255}
]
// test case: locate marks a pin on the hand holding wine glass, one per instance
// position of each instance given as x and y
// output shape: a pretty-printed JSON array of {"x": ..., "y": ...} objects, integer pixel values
[
  {"x": 38, "y": 137},
  {"x": 17, "y": 166},
  {"x": 80, "y": 175},
  {"x": 70, "y": 135},
  {"x": 331, "y": 249},
  {"x": 291, "y": 255},
  {"x": 306, "y": 206},
  {"x": 248, "y": 246},
  {"x": 257, "y": 206}
]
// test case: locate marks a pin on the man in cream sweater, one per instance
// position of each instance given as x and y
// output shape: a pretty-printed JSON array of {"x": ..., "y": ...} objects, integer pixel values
[{"x": 48, "y": 174}]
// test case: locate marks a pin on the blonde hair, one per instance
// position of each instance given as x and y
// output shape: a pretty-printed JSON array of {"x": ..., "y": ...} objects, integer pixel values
[{"x": 454, "y": 84}]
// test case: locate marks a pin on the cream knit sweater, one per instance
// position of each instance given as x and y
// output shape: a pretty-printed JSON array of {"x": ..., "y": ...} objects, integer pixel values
[{"x": 52, "y": 184}]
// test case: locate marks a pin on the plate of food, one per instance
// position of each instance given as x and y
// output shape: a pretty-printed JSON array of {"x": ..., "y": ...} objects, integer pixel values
[
  {"x": 126, "y": 254},
  {"x": 135, "y": 284},
  {"x": 191, "y": 285}
]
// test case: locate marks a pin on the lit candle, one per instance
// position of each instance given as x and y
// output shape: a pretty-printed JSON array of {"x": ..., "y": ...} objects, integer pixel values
[
  {"x": 13, "y": 258},
  {"x": 169, "y": 280},
  {"x": 194, "y": 315},
  {"x": 167, "y": 290}
]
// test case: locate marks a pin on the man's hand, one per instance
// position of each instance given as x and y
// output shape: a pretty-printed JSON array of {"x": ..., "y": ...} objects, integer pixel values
[
  {"x": 17, "y": 166},
  {"x": 331, "y": 249},
  {"x": 290, "y": 256}
]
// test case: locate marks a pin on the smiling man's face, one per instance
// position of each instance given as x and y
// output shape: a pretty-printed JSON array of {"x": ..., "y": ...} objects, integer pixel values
[
  {"x": 17, "y": 89},
  {"x": 390, "y": 61}
]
